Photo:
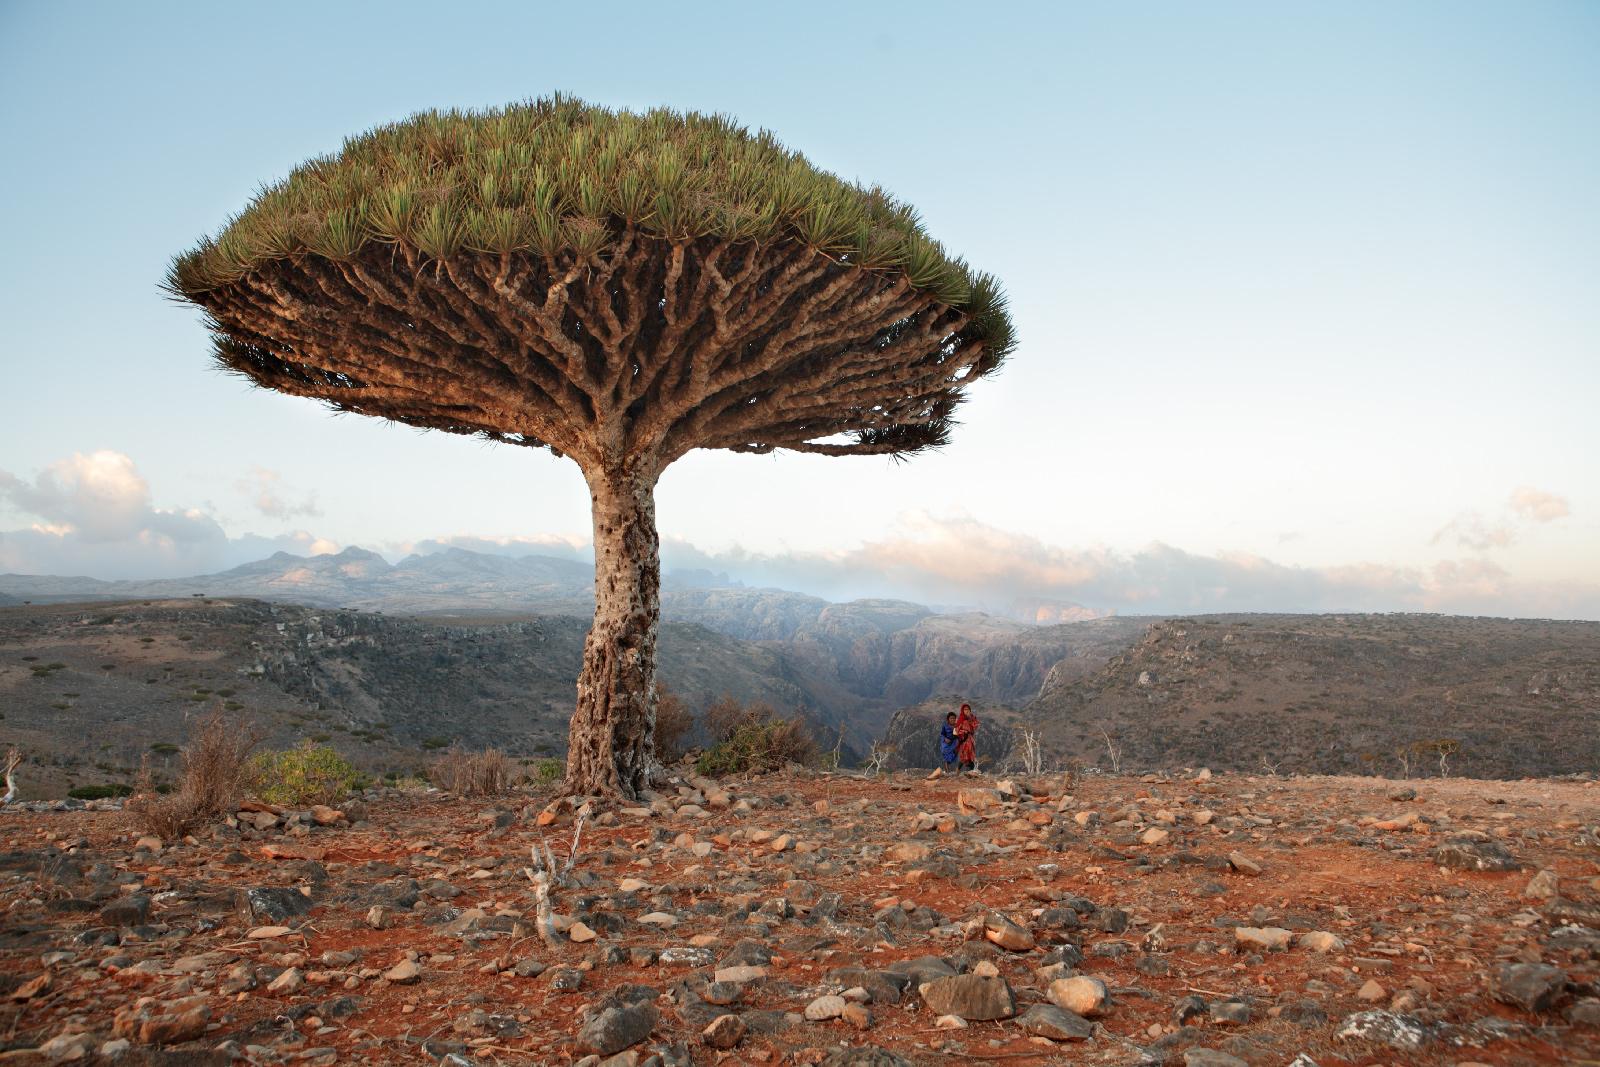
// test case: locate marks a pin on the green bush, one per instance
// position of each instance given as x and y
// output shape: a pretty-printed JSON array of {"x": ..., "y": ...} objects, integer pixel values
[
  {"x": 758, "y": 745},
  {"x": 549, "y": 771},
  {"x": 98, "y": 792},
  {"x": 310, "y": 774},
  {"x": 435, "y": 742}
]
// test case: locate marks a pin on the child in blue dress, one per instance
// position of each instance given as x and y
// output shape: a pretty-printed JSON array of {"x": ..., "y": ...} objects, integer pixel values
[{"x": 948, "y": 742}]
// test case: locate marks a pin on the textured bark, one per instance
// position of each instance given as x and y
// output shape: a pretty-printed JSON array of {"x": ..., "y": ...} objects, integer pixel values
[{"x": 611, "y": 743}]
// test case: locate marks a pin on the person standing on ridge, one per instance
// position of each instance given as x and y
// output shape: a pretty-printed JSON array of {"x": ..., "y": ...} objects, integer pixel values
[
  {"x": 966, "y": 729},
  {"x": 948, "y": 742}
]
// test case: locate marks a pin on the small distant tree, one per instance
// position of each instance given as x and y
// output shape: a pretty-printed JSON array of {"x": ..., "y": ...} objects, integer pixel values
[
  {"x": 1443, "y": 748},
  {"x": 617, "y": 288},
  {"x": 1113, "y": 744},
  {"x": 1032, "y": 753},
  {"x": 878, "y": 756},
  {"x": 1404, "y": 755}
]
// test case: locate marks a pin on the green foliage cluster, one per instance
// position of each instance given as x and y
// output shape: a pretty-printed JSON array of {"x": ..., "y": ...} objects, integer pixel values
[
  {"x": 754, "y": 743},
  {"x": 99, "y": 792},
  {"x": 557, "y": 177},
  {"x": 310, "y": 774},
  {"x": 549, "y": 771}
]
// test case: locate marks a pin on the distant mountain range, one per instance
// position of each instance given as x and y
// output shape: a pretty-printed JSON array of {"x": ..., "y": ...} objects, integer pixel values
[{"x": 458, "y": 581}]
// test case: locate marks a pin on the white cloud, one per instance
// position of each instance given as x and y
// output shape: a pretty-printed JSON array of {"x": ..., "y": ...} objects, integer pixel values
[
  {"x": 96, "y": 518},
  {"x": 1537, "y": 505},
  {"x": 266, "y": 489},
  {"x": 100, "y": 496},
  {"x": 1471, "y": 530},
  {"x": 1526, "y": 505},
  {"x": 963, "y": 562}
]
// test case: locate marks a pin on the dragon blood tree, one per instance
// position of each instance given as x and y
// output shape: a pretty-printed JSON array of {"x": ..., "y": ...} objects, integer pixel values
[{"x": 618, "y": 288}]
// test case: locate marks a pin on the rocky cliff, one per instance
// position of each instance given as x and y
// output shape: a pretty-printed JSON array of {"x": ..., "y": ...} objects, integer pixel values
[{"x": 1336, "y": 693}]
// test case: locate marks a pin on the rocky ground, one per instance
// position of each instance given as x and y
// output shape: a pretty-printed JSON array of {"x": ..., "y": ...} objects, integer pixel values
[{"x": 806, "y": 918}]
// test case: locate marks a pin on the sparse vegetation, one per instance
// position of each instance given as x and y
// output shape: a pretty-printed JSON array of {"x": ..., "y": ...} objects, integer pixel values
[
  {"x": 753, "y": 739},
  {"x": 99, "y": 792},
  {"x": 310, "y": 774},
  {"x": 217, "y": 772},
  {"x": 473, "y": 774}
]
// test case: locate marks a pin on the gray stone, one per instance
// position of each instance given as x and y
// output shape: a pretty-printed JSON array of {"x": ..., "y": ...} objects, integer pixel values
[
  {"x": 1535, "y": 987},
  {"x": 565, "y": 979},
  {"x": 1190, "y": 1007},
  {"x": 1586, "y": 1013},
  {"x": 1058, "y": 1024},
  {"x": 922, "y": 969},
  {"x": 684, "y": 956},
  {"x": 825, "y": 1008},
  {"x": 1210, "y": 1057},
  {"x": 272, "y": 905},
  {"x": 886, "y": 987},
  {"x": 721, "y": 993},
  {"x": 1467, "y": 854},
  {"x": 618, "y": 1028},
  {"x": 131, "y": 910},
  {"x": 724, "y": 1032},
  {"x": 971, "y": 997},
  {"x": 1403, "y": 1032}
]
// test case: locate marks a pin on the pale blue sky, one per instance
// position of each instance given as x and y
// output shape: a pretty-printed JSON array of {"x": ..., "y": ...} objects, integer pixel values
[{"x": 1315, "y": 285}]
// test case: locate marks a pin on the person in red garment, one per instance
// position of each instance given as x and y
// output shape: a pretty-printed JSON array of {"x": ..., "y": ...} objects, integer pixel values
[{"x": 966, "y": 747}]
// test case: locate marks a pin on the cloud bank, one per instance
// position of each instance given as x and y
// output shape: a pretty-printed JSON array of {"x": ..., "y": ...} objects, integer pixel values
[
  {"x": 963, "y": 562},
  {"x": 93, "y": 515},
  {"x": 96, "y": 518}
]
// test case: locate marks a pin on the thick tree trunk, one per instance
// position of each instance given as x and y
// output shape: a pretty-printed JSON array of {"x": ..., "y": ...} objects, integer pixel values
[{"x": 611, "y": 744}]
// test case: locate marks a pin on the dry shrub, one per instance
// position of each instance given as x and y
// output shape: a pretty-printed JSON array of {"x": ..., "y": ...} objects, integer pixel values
[
  {"x": 216, "y": 775},
  {"x": 673, "y": 723},
  {"x": 473, "y": 774},
  {"x": 726, "y": 717}
]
